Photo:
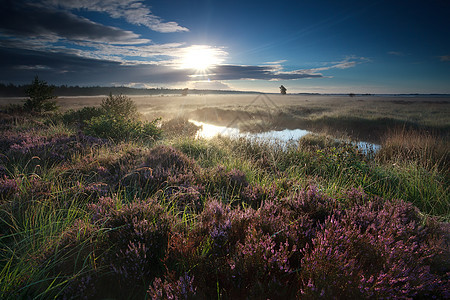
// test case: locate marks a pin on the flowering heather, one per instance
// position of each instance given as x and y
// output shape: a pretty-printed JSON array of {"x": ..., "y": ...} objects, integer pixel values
[
  {"x": 140, "y": 177},
  {"x": 81, "y": 286},
  {"x": 50, "y": 149},
  {"x": 3, "y": 171},
  {"x": 260, "y": 266},
  {"x": 254, "y": 195},
  {"x": 203, "y": 230},
  {"x": 97, "y": 189},
  {"x": 311, "y": 202},
  {"x": 37, "y": 187},
  {"x": 307, "y": 246},
  {"x": 103, "y": 209},
  {"x": 162, "y": 166},
  {"x": 311, "y": 246},
  {"x": 163, "y": 159},
  {"x": 185, "y": 196},
  {"x": 8, "y": 187},
  {"x": 182, "y": 288},
  {"x": 138, "y": 235},
  {"x": 233, "y": 179},
  {"x": 372, "y": 251}
]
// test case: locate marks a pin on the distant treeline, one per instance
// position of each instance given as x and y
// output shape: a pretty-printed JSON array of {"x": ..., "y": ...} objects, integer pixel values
[{"x": 11, "y": 90}]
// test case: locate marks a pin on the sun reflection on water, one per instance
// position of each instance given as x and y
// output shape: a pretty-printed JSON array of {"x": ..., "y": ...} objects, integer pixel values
[{"x": 208, "y": 131}]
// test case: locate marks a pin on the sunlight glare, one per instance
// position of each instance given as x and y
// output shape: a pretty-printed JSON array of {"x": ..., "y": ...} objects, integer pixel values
[
  {"x": 208, "y": 131},
  {"x": 200, "y": 57}
]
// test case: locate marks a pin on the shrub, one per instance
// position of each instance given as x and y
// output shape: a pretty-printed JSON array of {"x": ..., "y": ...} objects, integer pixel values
[
  {"x": 39, "y": 95},
  {"x": 179, "y": 127},
  {"x": 118, "y": 120},
  {"x": 119, "y": 128},
  {"x": 80, "y": 117},
  {"x": 120, "y": 106}
]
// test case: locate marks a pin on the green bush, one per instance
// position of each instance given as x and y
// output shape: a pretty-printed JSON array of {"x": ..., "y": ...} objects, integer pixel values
[
  {"x": 116, "y": 119},
  {"x": 81, "y": 116},
  {"x": 119, "y": 128}
]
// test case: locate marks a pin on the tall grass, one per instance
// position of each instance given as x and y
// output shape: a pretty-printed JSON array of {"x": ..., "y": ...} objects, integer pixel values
[
  {"x": 421, "y": 147},
  {"x": 32, "y": 221}
]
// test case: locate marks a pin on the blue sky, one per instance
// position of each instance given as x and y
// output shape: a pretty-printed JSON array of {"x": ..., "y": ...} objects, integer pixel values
[{"x": 308, "y": 46}]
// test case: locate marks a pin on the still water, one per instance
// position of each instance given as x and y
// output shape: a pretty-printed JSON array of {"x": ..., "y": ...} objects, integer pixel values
[{"x": 287, "y": 135}]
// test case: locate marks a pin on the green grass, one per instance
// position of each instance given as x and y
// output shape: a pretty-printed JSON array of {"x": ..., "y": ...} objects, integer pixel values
[
  {"x": 334, "y": 168},
  {"x": 51, "y": 199}
]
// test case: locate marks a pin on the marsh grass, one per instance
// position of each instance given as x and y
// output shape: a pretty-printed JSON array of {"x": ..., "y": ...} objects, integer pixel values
[
  {"x": 419, "y": 146},
  {"x": 185, "y": 217}
]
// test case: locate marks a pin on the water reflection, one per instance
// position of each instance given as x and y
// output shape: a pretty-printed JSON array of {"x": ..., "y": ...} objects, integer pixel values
[{"x": 209, "y": 130}]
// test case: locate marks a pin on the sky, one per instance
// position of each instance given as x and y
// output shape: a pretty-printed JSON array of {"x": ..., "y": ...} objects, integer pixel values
[{"x": 313, "y": 46}]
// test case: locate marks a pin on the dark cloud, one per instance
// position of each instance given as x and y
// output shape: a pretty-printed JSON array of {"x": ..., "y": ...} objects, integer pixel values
[{"x": 21, "y": 19}]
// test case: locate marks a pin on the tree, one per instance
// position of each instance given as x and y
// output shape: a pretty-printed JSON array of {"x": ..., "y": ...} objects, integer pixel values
[
  {"x": 40, "y": 95},
  {"x": 283, "y": 90}
]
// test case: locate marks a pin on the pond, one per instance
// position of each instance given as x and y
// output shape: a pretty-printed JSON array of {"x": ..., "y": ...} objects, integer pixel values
[{"x": 284, "y": 136}]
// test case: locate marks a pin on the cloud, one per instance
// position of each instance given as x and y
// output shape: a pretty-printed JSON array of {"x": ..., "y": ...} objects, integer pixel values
[
  {"x": 237, "y": 72},
  {"x": 396, "y": 53},
  {"x": 110, "y": 66},
  {"x": 53, "y": 30},
  {"x": 133, "y": 11},
  {"x": 30, "y": 21},
  {"x": 17, "y": 65},
  {"x": 60, "y": 68},
  {"x": 348, "y": 62},
  {"x": 276, "y": 72},
  {"x": 444, "y": 58},
  {"x": 46, "y": 37},
  {"x": 278, "y": 62}
]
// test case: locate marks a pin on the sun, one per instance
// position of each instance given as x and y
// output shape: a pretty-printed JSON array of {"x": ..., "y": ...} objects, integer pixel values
[{"x": 201, "y": 57}]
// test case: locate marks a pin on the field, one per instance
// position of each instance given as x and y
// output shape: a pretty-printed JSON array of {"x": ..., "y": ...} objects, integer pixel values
[
  {"x": 360, "y": 117},
  {"x": 104, "y": 200}
]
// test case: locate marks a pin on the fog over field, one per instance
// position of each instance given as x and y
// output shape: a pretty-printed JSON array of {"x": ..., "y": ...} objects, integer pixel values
[{"x": 360, "y": 117}]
